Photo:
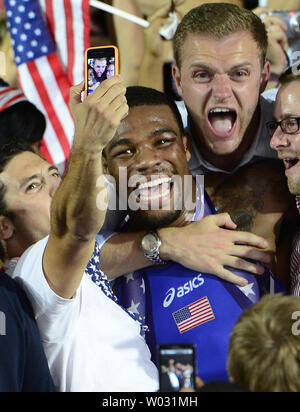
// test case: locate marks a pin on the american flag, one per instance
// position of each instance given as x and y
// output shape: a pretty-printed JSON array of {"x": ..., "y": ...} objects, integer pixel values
[
  {"x": 49, "y": 38},
  {"x": 193, "y": 315}
]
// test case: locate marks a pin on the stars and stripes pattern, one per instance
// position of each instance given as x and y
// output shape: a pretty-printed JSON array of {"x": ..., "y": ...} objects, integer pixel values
[
  {"x": 193, "y": 315},
  {"x": 10, "y": 96},
  {"x": 135, "y": 298},
  {"x": 295, "y": 260},
  {"x": 48, "y": 66},
  {"x": 100, "y": 279}
]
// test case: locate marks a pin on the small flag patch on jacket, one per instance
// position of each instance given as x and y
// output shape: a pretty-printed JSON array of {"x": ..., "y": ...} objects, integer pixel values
[{"x": 193, "y": 315}]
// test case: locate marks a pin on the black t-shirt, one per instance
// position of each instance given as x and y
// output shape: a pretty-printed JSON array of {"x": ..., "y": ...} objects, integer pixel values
[{"x": 23, "y": 364}]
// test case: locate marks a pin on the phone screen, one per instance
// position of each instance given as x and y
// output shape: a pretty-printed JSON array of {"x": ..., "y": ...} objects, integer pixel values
[
  {"x": 176, "y": 367},
  {"x": 101, "y": 64}
]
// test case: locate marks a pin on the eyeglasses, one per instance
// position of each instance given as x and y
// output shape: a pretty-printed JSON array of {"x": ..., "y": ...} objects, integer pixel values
[{"x": 289, "y": 125}]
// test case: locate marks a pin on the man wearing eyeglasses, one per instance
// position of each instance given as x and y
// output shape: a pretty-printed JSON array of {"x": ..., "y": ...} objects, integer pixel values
[{"x": 286, "y": 141}]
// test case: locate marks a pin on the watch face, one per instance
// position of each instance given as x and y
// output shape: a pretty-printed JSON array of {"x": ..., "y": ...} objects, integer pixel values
[{"x": 149, "y": 243}]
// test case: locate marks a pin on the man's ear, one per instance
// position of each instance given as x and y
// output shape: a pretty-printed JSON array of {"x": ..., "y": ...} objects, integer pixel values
[
  {"x": 187, "y": 143},
  {"x": 6, "y": 228},
  {"x": 177, "y": 78},
  {"x": 265, "y": 75}
]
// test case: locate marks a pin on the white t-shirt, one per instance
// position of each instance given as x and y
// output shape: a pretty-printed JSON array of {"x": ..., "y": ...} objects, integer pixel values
[{"x": 91, "y": 343}]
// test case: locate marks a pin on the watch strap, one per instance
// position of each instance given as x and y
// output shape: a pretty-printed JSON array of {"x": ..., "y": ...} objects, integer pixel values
[{"x": 154, "y": 256}]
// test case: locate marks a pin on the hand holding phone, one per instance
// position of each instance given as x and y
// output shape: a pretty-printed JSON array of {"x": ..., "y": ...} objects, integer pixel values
[
  {"x": 176, "y": 367},
  {"x": 95, "y": 126},
  {"x": 101, "y": 63}
]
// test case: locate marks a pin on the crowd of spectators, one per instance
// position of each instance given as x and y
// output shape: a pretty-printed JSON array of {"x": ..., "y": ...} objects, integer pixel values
[{"x": 88, "y": 295}]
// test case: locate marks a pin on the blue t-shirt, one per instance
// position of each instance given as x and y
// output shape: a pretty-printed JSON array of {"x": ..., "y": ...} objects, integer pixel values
[
  {"x": 180, "y": 305},
  {"x": 185, "y": 306},
  {"x": 23, "y": 364}
]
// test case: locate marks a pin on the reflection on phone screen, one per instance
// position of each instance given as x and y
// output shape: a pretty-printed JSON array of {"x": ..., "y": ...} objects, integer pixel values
[
  {"x": 99, "y": 69},
  {"x": 176, "y": 369}
]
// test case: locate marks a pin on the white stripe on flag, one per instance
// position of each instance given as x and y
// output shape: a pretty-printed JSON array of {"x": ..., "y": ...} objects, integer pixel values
[
  {"x": 60, "y": 32},
  {"x": 54, "y": 148},
  {"x": 78, "y": 71}
]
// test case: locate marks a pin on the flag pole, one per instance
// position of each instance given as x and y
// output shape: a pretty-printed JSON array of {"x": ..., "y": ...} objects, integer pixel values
[{"x": 113, "y": 10}]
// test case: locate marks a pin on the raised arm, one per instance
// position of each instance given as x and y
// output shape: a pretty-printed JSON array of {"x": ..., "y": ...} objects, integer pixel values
[
  {"x": 129, "y": 34},
  {"x": 157, "y": 51},
  {"x": 277, "y": 44},
  {"x": 75, "y": 217}
]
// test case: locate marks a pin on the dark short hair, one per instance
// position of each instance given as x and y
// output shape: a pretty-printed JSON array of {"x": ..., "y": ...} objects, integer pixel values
[
  {"x": 93, "y": 70},
  {"x": 146, "y": 96},
  {"x": 22, "y": 122},
  {"x": 218, "y": 20},
  {"x": 7, "y": 153},
  {"x": 290, "y": 75}
]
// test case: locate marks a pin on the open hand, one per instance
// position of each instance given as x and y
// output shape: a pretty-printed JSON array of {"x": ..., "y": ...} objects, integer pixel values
[{"x": 211, "y": 244}]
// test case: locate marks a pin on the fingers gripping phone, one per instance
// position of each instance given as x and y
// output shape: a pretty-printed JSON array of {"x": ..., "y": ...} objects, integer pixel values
[
  {"x": 101, "y": 63},
  {"x": 176, "y": 367}
]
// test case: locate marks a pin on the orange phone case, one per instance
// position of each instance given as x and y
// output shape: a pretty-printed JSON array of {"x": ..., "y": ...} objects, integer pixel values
[{"x": 116, "y": 55}]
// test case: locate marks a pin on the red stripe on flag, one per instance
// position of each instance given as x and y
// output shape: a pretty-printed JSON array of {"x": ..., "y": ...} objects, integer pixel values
[
  {"x": 50, "y": 18},
  {"x": 7, "y": 89},
  {"x": 70, "y": 38},
  {"x": 39, "y": 84}
]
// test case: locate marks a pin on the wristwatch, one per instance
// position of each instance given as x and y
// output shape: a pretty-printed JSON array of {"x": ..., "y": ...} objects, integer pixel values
[{"x": 150, "y": 245}]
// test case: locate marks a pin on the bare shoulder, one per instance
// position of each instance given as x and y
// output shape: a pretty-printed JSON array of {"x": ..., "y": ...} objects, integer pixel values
[
  {"x": 258, "y": 201},
  {"x": 259, "y": 188}
]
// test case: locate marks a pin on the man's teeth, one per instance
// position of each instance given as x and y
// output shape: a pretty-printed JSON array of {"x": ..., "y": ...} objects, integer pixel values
[
  {"x": 220, "y": 110},
  {"x": 153, "y": 183},
  {"x": 222, "y": 119},
  {"x": 151, "y": 190}
]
